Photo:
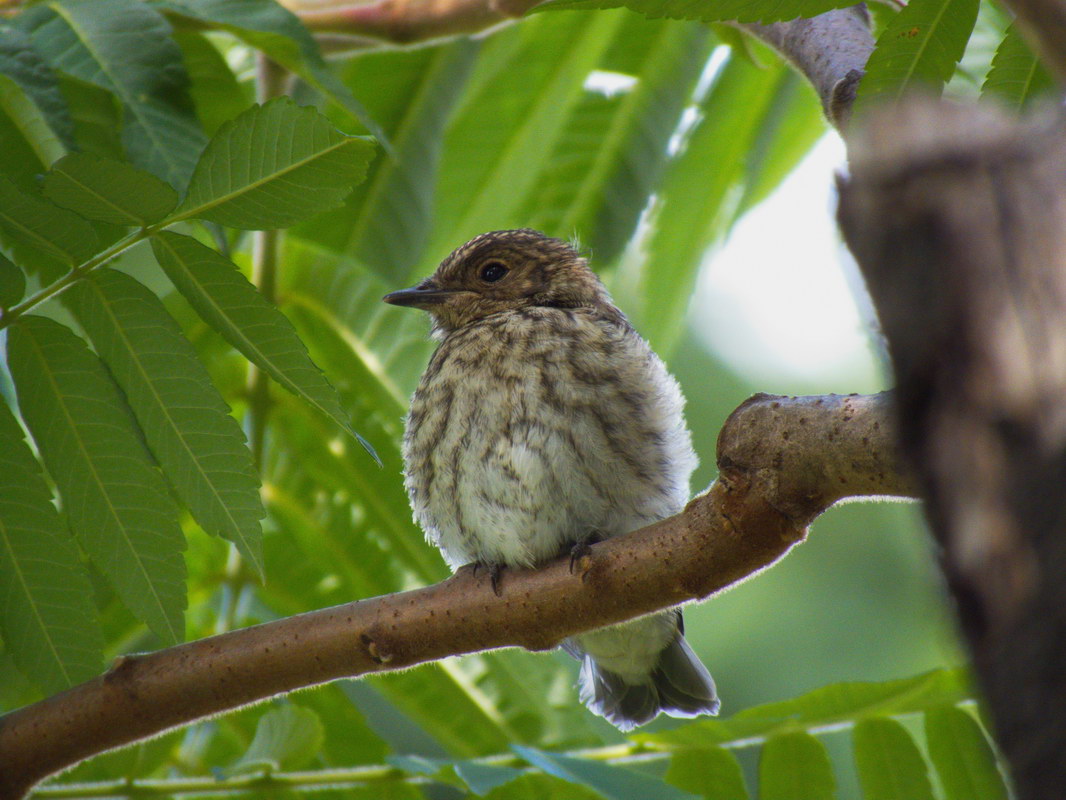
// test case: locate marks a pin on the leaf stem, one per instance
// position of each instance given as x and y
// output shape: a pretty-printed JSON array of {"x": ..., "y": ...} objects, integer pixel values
[{"x": 77, "y": 272}]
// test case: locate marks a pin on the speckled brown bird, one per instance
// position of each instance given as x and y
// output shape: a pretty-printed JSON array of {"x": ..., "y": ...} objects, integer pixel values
[{"x": 545, "y": 422}]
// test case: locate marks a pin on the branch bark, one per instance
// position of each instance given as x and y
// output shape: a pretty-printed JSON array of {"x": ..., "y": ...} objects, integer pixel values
[
  {"x": 957, "y": 216},
  {"x": 782, "y": 462},
  {"x": 830, "y": 50}
]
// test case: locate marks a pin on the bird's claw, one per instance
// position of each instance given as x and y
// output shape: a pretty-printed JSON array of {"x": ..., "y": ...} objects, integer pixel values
[
  {"x": 495, "y": 571},
  {"x": 581, "y": 554}
]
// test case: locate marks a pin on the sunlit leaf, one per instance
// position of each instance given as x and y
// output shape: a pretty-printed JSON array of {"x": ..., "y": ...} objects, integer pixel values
[
  {"x": 186, "y": 423},
  {"x": 711, "y": 772},
  {"x": 889, "y": 763},
  {"x": 531, "y": 83},
  {"x": 838, "y": 702},
  {"x": 611, "y": 155},
  {"x": 46, "y": 623},
  {"x": 386, "y": 221},
  {"x": 274, "y": 165},
  {"x": 962, "y": 756},
  {"x": 697, "y": 198},
  {"x": 115, "y": 500},
  {"x": 285, "y": 738},
  {"x": 795, "y": 766}
]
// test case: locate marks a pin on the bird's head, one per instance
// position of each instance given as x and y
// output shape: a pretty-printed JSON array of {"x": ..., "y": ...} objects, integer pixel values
[{"x": 503, "y": 271}]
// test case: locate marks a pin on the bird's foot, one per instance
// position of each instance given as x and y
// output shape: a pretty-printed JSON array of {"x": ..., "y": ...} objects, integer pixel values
[
  {"x": 581, "y": 556},
  {"x": 494, "y": 570}
]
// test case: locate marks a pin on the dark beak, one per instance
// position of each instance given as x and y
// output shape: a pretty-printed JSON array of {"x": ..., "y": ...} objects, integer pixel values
[{"x": 424, "y": 295}]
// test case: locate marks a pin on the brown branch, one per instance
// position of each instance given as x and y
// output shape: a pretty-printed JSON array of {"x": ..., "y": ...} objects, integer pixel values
[
  {"x": 957, "y": 216},
  {"x": 406, "y": 21},
  {"x": 782, "y": 462},
  {"x": 830, "y": 50}
]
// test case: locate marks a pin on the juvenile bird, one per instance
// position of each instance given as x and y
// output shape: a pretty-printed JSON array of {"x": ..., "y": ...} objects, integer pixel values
[{"x": 544, "y": 422}]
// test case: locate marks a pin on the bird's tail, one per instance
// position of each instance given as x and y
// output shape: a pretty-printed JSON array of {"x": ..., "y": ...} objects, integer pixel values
[{"x": 678, "y": 685}]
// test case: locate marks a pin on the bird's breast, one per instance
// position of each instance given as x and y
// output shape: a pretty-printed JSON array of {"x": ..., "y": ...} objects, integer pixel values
[{"x": 524, "y": 436}]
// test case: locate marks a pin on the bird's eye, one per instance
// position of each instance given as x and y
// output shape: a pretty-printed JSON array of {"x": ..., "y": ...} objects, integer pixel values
[{"x": 493, "y": 271}]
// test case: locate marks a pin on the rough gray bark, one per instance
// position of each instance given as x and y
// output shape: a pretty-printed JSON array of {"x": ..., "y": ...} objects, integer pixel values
[
  {"x": 957, "y": 216},
  {"x": 830, "y": 50}
]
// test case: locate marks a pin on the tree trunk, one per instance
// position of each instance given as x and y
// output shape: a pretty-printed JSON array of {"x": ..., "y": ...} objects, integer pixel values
[{"x": 957, "y": 216}]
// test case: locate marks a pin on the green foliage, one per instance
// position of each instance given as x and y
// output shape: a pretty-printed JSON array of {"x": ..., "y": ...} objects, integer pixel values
[
  {"x": 962, "y": 756},
  {"x": 1017, "y": 77},
  {"x": 116, "y": 503},
  {"x": 46, "y": 624},
  {"x": 795, "y": 766},
  {"x": 185, "y": 421},
  {"x": 132, "y": 163},
  {"x": 889, "y": 763},
  {"x": 918, "y": 49}
]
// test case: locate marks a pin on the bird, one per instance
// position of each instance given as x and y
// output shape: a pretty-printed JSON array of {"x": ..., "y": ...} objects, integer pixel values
[{"x": 542, "y": 424}]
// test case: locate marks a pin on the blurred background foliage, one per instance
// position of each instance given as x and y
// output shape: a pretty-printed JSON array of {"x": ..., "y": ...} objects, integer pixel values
[{"x": 645, "y": 141}]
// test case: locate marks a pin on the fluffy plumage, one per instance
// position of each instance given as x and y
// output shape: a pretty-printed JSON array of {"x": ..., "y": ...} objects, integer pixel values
[{"x": 542, "y": 421}]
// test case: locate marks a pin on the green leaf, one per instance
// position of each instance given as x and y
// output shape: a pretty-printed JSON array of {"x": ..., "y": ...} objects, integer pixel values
[
  {"x": 889, "y": 763},
  {"x": 531, "y": 79},
  {"x": 613, "y": 782},
  {"x": 708, "y": 10},
  {"x": 108, "y": 191},
  {"x": 12, "y": 283},
  {"x": 386, "y": 221},
  {"x": 43, "y": 236},
  {"x": 710, "y": 772},
  {"x": 795, "y": 766},
  {"x": 918, "y": 49},
  {"x": 285, "y": 738},
  {"x": 97, "y": 118},
  {"x": 962, "y": 756},
  {"x": 27, "y": 143},
  {"x": 22, "y": 63},
  {"x": 612, "y": 154},
  {"x": 46, "y": 613},
  {"x": 231, "y": 305},
  {"x": 793, "y": 123},
  {"x": 830, "y": 705},
  {"x": 186, "y": 423},
  {"x": 538, "y": 786},
  {"x": 214, "y": 88},
  {"x": 272, "y": 166},
  {"x": 694, "y": 208},
  {"x": 272, "y": 28},
  {"x": 483, "y": 778},
  {"x": 129, "y": 52},
  {"x": 1017, "y": 76},
  {"x": 115, "y": 500}
]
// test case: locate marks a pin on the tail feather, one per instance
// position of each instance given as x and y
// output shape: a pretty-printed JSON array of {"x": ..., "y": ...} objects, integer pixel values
[{"x": 679, "y": 686}]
